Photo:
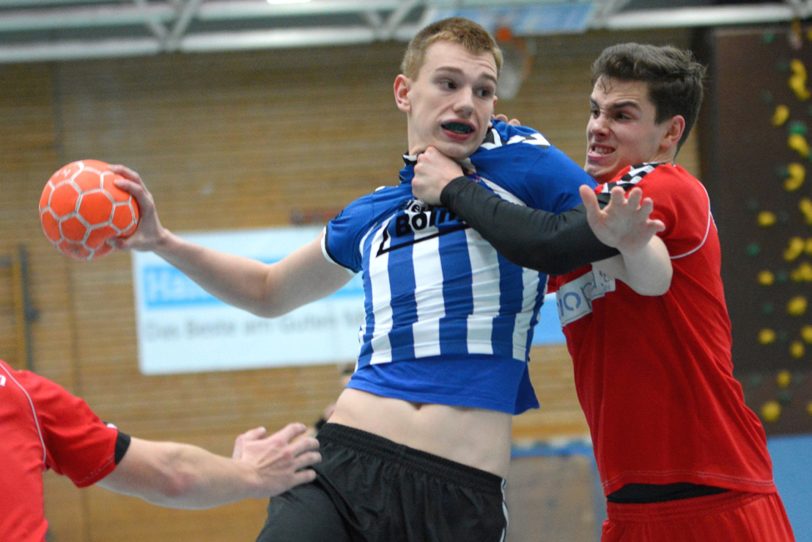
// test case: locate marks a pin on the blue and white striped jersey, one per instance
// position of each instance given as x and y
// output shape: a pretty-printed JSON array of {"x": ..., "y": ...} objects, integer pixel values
[{"x": 448, "y": 320}]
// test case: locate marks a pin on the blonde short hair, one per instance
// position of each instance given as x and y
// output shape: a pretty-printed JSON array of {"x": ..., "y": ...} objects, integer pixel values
[{"x": 467, "y": 33}]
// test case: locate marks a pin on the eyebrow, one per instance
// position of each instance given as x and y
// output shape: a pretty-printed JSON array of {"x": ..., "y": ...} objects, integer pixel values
[
  {"x": 458, "y": 71},
  {"x": 618, "y": 105}
]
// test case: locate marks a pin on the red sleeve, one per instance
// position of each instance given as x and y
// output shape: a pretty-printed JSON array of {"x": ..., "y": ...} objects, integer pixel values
[{"x": 78, "y": 444}]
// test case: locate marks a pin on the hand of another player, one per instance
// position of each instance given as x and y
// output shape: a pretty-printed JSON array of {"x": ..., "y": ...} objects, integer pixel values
[
  {"x": 625, "y": 222},
  {"x": 432, "y": 173},
  {"x": 279, "y": 460},
  {"x": 504, "y": 118},
  {"x": 150, "y": 231}
]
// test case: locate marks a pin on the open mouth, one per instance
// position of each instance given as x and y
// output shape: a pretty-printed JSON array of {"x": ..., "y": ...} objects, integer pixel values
[
  {"x": 458, "y": 127},
  {"x": 600, "y": 149}
]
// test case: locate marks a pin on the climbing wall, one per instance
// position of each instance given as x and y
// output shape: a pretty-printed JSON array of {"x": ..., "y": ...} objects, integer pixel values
[{"x": 757, "y": 164}]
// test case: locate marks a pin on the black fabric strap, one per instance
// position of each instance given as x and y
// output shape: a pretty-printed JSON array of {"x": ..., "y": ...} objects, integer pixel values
[
  {"x": 122, "y": 445},
  {"x": 647, "y": 493}
]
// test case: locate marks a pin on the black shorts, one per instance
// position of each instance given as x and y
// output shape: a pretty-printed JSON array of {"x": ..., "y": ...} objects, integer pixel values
[{"x": 371, "y": 489}]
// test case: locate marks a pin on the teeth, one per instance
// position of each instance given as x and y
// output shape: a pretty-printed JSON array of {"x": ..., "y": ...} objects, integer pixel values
[{"x": 458, "y": 127}]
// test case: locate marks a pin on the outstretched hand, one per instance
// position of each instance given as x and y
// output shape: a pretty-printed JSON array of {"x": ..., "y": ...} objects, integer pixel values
[
  {"x": 432, "y": 173},
  {"x": 625, "y": 222},
  {"x": 279, "y": 460},
  {"x": 149, "y": 233}
]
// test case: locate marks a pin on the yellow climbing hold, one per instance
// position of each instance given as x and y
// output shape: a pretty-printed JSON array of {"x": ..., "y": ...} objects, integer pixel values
[
  {"x": 805, "y": 205},
  {"x": 796, "y": 248},
  {"x": 766, "y": 336},
  {"x": 771, "y": 411},
  {"x": 780, "y": 115},
  {"x": 766, "y": 219},
  {"x": 766, "y": 278},
  {"x": 796, "y": 174},
  {"x": 796, "y": 306},
  {"x": 797, "y": 142},
  {"x": 797, "y": 349},
  {"x": 797, "y": 81}
]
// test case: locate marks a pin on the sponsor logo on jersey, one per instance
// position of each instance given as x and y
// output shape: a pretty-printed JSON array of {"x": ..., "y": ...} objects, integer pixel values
[
  {"x": 418, "y": 222},
  {"x": 574, "y": 299}
]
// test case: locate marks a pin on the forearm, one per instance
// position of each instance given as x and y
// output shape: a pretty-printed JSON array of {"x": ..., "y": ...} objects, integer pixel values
[
  {"x": 236, "y": 280},
  {"x": 264, "y": 289},
  {"x": 647, "y": 271},
  {"x": 181, "y": 476},
  {"x": 204, "y": 480},
  {"x": 540, "y": 240}
]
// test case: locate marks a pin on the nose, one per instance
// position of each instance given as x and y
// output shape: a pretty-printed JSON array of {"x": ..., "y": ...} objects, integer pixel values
[
  {"x": 597, "y": 124},
  {"x": 464, "y": 102}
]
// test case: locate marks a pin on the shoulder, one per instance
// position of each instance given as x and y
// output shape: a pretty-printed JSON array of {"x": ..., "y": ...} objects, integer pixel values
[
  {"x": 523, "y": 162},
  {"x": 372, "y": 204},
  {"x": 344, "y": 233},
  {"x": 501, "y": 135},
  {"x": 34, "y": 385},
  {"x": 656, "y": 178},
  {"x": 515, "y": 149},
  {"x": 680, "y": 201}
]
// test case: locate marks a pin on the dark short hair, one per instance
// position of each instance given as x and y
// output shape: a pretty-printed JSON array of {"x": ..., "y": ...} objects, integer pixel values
[
  {"x": 673, "y": 76},
  {"x": 459, "y": 30}
]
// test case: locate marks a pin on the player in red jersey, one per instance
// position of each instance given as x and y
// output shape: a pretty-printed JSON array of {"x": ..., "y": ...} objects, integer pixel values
[
  {"x": 43, "y": 426},
  {"x": 680, "y": 455}
]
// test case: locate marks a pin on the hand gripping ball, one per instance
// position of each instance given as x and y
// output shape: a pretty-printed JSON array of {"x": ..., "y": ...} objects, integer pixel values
[{"x": 82, "y": 211}]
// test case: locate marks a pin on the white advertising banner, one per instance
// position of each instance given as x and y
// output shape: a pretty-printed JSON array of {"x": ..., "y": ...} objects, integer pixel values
[{"x": 182, "y": 328}]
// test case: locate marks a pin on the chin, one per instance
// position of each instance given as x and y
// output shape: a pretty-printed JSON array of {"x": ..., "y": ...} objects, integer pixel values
[
  {"x": 458, "y": 152},
  {"x": 600, "y": 174}
]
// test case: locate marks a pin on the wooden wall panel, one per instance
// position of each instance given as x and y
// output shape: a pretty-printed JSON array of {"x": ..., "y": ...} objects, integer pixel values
[{"x": 227, "y": 141}]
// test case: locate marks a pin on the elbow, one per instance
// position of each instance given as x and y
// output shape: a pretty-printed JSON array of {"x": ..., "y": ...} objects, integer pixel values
[
  {"x": 270, "y": 308},
  {"x": 265, "y": 304},
  {"x": 655, "y": 288},
  {"x": 263, "y": 311},
  {"x": 176, "y": 488}
]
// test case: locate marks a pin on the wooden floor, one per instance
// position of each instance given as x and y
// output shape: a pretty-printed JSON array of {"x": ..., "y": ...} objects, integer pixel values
[{"x": 554, "y": 499}]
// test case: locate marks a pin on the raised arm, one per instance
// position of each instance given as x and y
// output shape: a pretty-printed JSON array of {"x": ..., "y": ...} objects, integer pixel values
[
  {"x": 185, "y": 476},
  {"x": 263, "y": 289},
  {"x": 548, "y": 242},
  {"x": 644, "y": 264},
  {"x": 620, "y": 236}
]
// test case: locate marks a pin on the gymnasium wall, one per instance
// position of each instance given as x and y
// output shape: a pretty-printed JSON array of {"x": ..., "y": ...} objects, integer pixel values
[
  {"x": 227, "y": 141},
  {"x": 757, "y": 156}
]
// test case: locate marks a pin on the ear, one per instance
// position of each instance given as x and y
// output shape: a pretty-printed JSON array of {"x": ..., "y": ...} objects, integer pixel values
[
  {"x": 402, "y": 86},
  {"x": 676, "y": 127}
]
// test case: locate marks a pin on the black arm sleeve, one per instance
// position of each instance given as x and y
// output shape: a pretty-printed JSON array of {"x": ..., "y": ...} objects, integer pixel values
[
  {"x": 122, "y": 445},
  {"x": 540, "y": 240}
]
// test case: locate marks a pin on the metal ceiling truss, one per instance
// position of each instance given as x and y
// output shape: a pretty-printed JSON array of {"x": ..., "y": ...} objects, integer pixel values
[{"x": 47, "y": 30}]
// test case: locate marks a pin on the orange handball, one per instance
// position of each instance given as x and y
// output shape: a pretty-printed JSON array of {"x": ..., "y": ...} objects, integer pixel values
[{"x": 82, "y": 211}]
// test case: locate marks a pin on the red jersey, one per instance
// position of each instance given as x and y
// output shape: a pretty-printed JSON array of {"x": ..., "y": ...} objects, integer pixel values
[
  {"x": 654, "y": 375},
  {"x": 43, "y": 426}
]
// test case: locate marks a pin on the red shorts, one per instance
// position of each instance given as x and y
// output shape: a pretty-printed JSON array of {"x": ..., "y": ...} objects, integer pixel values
[{"x": 743, "y": 517}]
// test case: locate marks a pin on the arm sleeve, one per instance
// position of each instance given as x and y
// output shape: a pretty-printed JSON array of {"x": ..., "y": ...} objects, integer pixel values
[
  {"x": 540, "y": 240},
  {"x": 78, "y": 444}
]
